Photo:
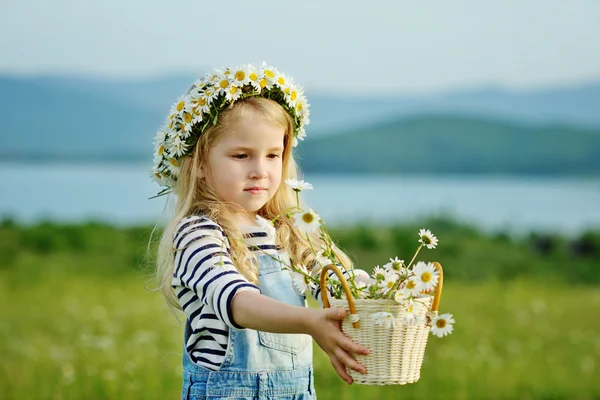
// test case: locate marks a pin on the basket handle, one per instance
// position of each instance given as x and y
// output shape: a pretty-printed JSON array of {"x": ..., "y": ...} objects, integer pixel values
[{"x": 346, "y": 287}]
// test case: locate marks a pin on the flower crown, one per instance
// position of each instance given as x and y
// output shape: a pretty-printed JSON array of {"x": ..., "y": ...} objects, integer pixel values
[{"x": 199, "y": 109}]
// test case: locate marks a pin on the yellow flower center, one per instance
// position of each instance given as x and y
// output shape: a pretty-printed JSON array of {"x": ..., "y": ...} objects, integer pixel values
[
  {"x": 240, "y": 75},
  {"x": 426, "y": 239},
  {"x": 187, "y": 117},
  {"x": 224, "y": 84},
  {"x": 269, "y": 73},
  {"x": 196, "y": 111},
  {"x": 440, "y": 323},
  {"x": 180, "y": 105},
  {"x": 233, "y": 89},
  {"x": 281, "y": 80},
  {"x": 308, "y": 218},
  {"x": 253, "y": 76},
  {"x": 299, "y": 106},
  {"x": 171, "y": 116},
  {"x": 227, "y": 72},
  {"x": 263, "y": 83},
  {"x": 287, "y": 90},
  {"x": 158, "y": 175},
  {"x": 390, "y": 284},
  {"x": 294, "y": 95},
  {"x": 410, "y": 285},
  {"x": 171, "y": 125},
  {"x": 410, "y": 309},
  {"x": 426, "y": 276},
  {"x": 207, "y": 92},
  {"x": 161, "y": 149}
]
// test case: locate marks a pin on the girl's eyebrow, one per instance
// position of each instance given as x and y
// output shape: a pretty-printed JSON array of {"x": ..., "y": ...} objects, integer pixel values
[{"x": 242, "y": 148}]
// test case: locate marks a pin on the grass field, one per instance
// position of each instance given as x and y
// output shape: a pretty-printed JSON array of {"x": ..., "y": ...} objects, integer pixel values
[{"x": 77, "y": 322}]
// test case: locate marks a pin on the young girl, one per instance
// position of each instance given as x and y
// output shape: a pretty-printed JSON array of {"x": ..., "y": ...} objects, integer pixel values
[{"x": 225, "y": 151}]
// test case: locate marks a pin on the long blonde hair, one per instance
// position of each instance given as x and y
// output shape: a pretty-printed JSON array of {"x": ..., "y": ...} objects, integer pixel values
[{"x": 194, "y": 196}]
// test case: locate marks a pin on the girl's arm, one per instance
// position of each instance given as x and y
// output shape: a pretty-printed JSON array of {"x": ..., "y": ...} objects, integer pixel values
[{"x": 256, "y": 311}]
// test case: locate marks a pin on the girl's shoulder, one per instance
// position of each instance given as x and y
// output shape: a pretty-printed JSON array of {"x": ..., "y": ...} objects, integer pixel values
[{"x": 194, "y": 223}]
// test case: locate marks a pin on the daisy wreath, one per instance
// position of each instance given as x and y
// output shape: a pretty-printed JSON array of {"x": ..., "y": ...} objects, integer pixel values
[{"x": 194, "y": 112}]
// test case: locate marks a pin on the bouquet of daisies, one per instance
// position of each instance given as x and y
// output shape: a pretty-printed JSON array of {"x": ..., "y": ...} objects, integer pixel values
[{"x": 394, "y": 303}]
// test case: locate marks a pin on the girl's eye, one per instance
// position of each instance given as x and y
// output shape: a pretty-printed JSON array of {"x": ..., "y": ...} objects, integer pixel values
[
  {"x": 273, "y": 155},
  {"x": 239, "y": 156}
]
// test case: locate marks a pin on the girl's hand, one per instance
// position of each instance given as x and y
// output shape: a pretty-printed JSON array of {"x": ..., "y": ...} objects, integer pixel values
[{"x": 325, "y": 330}]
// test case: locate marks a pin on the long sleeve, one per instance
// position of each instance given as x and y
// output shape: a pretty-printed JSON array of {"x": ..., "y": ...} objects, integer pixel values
[{"x": 204, "y": 274}]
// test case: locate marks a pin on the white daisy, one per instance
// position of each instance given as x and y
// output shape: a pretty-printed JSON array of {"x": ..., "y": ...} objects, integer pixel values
[
  {"x": 254, "y": 78},
  {"x": 294, "y": 142},
  {"x": 301, "y": 279},
  {"x": 307, "y": 221},
  {"x": 426, "y": 276},
  {"x": 297, "y": 185},
  {"x": 178, "y": 106},
  {"x": 178, "y": 147},
  {"x": 427, "y": 238},
  {"x": 410, "y": 286},
  {"x": 441, "y": 325},
  {"x": 378, "y": 273},
  {"x": 388, "y": 281},
  {"x": 301, "y": 134},
  {"x": 395, "y": 265},
  {"x": 157, "y": 176},
  {"x": 384, "y": 318},
  {"x": 241, "y": 76},
  {"x": 412, "y": 311},
  {"x": 173, "y": 166},
  {"x": 266, "y": 226},
  {"x": 401, "y": 296},
  {"x": 233, "y": 93}
]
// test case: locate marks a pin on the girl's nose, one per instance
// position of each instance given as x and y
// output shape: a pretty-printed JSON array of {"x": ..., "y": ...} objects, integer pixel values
[{"x": 259, "y": 170}]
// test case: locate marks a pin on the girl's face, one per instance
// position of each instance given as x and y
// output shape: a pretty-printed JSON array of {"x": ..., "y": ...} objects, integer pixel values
[{"x": 245, "y": 165}]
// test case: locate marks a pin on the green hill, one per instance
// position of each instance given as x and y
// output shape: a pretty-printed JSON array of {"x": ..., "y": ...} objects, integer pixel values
[{"x": 451, "y": 144}]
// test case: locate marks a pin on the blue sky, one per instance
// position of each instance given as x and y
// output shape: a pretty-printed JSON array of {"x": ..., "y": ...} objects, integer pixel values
[{"x": 346, "y": 46}]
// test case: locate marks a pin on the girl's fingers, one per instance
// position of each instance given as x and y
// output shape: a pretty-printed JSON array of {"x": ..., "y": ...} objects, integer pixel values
[
  {"x": 349, "y": 361},
  {"x": 355, "y": 348},
  {"x": 340, "y": 369}
]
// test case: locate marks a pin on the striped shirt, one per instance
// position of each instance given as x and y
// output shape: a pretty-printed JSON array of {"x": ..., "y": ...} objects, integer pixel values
[{"x": 205, "y": 281}]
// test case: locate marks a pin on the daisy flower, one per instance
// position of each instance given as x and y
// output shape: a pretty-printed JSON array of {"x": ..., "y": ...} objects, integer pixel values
[
  {"x": 266, "y": 226},
  {"x": 297, "y": 185},
  {"x": 388, "y": 282},
  {"x": 426, "y": 276},
  {"x": 378, "y": 273},
  {"x": 410, "y": 286},
  {"x": 307, "y": 221},
  {"x": 441, "y": 325},
  {"x": 361, "y": 276},
  {"x": 241, "y": 76},
  {"x": 412, "y": 311},
  {"x": 384, "y": 318},
  {"x": 178, "y": 147},
  {"x": 233, "y": 93},
  {"x": 395, "y": 265},
  {"x": 157, "y": 176},
  {"x": 427, "y": 238},
  {"x": 301, "y": 134},
  {"x": 301, "y": 279},
  {"x": 401, "y": 296}
]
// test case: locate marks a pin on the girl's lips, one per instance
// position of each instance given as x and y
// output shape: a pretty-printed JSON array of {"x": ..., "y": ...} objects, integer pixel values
[{"x": 255, "y": 190}]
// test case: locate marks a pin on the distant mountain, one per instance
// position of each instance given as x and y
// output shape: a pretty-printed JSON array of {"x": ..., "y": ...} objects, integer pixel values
[
  {"x": 94, "y": 119},
  {"x": 451, "y": 144}
]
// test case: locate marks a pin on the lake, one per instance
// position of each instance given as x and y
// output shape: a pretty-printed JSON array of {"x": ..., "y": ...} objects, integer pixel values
[{"x": 119, "y": 194}]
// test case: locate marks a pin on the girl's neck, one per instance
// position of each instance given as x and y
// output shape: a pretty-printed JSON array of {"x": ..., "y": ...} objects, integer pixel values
[{"x": 245, "y": 219}]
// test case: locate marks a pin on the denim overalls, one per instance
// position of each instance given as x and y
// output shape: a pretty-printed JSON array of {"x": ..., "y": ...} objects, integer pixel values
[{"x": 258, "y": 365}]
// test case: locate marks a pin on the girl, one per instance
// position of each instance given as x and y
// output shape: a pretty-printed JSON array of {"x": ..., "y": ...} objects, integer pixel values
[{"x": 225, "y": 151}]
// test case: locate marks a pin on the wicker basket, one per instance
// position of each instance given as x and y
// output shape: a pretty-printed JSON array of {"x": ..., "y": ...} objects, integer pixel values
[{"x": 395, "y": 354}]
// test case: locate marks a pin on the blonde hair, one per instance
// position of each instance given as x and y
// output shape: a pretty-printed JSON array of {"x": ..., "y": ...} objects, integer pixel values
[{"x": 195, "y": 196}]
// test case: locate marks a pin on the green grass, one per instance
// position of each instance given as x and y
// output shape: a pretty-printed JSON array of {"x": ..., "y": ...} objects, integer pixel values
[{"x": 78, "y": 322}]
